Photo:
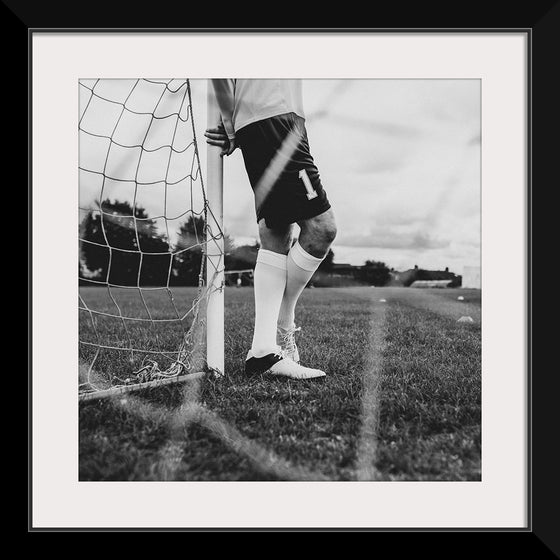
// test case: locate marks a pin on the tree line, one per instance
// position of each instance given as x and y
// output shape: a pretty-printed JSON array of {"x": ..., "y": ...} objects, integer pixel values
[{"x": 142, "y": 255}]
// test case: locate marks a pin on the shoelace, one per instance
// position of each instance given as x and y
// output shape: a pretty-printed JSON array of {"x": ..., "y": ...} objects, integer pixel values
[{"x": 289, "y": 340}]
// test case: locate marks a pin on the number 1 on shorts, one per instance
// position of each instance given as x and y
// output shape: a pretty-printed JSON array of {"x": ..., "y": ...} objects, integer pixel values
[{"x": 311, "y": 193}]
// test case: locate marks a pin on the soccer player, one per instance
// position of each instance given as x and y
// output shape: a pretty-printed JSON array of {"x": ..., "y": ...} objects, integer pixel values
[{"x": 266, "y": 120}]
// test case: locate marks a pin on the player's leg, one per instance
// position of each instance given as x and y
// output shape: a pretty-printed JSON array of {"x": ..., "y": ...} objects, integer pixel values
[
  {"x": 277, "y": 239},
  {"x": 301, "y": 199},
  {"x": 304, "y": 257},
  {"x": 276, "y": 188},
  {"x": 269, "y": 284}
]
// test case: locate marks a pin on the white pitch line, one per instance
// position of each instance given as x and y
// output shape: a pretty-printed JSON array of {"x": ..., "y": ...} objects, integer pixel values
[
  {"x": 264, "y": 460},
  {"x": 171, "y": 457},
  {"x": 172, "y": 453},
  {"x": 367, "y": 446}
]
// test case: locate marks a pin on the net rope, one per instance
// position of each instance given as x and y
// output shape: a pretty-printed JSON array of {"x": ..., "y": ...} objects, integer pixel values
[{"x": 109, "y": 328}]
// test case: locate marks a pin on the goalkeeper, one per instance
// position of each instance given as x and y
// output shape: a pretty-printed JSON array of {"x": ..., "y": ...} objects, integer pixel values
[{"x": 266, "y": 121}]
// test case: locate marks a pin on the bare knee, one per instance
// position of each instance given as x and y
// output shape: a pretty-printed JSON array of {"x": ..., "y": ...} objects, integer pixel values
[
  {"x": 278, "y": 240},
  {"x": 330, "y": 230},
  {"x": 318, "y": 233}
]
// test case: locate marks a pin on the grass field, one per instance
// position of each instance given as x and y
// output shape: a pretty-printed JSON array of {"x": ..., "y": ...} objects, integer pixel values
[{"x": 401, "y": 400}]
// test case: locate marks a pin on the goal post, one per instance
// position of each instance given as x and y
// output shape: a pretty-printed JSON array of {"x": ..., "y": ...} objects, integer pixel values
[
  {"x": 215, "y": 278},
  {"x": 151, "y": 267}
]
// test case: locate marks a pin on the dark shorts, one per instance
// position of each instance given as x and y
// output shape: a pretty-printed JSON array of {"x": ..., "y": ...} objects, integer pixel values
[{"x": 282, "y": 173}]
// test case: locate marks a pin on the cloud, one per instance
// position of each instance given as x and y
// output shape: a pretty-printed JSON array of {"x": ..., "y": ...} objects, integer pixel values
[
  {"x": 379, "y": 127},
  {"x": 387, "y": 164},
  {"x": 391, "y": 239},
  {"x": 241, "y": 219},
  {"x": 425, "y": 241}
]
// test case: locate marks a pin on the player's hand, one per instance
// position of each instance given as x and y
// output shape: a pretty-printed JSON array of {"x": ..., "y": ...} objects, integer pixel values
[{"x": 217, "y": 137}]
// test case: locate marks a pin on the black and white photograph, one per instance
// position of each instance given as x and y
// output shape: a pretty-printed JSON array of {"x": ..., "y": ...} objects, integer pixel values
[
  {"x": 265, "y": 308},
  {"x": 279, "y": 279}
]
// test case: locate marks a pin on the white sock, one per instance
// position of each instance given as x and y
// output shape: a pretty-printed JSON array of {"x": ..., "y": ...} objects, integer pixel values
[
  {"x": 301, "y": 266},
  {"x": 269, "y": 285}
]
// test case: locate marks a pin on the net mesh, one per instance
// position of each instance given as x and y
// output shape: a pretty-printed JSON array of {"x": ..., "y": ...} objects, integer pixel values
[{"x": 145, "y": 228}]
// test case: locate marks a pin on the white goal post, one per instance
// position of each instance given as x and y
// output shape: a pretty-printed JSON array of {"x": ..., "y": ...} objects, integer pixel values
[{"x": 215, "y": 278}]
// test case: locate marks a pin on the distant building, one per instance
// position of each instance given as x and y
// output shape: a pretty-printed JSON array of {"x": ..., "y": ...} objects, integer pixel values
[
  {"x": 419, "y": 277},
  {"x": 431, "y": 283}
]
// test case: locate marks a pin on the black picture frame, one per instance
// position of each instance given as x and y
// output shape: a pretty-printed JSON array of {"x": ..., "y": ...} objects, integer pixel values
[{"x": 541, "y": 26}]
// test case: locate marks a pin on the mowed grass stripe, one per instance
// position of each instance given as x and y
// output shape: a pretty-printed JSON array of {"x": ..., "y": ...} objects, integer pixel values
[
  {"x": 430, "y": 402},
  {"x": 443, "y": 302},
  {"x": 367, "y": 447}
]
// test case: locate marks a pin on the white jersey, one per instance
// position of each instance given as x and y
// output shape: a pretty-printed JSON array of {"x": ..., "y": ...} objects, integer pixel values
[{"x": 243, "y": 102}]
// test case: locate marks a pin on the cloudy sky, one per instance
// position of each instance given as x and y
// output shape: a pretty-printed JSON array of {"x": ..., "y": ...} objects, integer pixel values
[{"x": 399, "y": 159}]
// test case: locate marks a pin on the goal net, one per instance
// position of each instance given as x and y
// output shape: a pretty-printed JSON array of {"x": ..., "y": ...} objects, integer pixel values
[{"x": 151, "y": 245}]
